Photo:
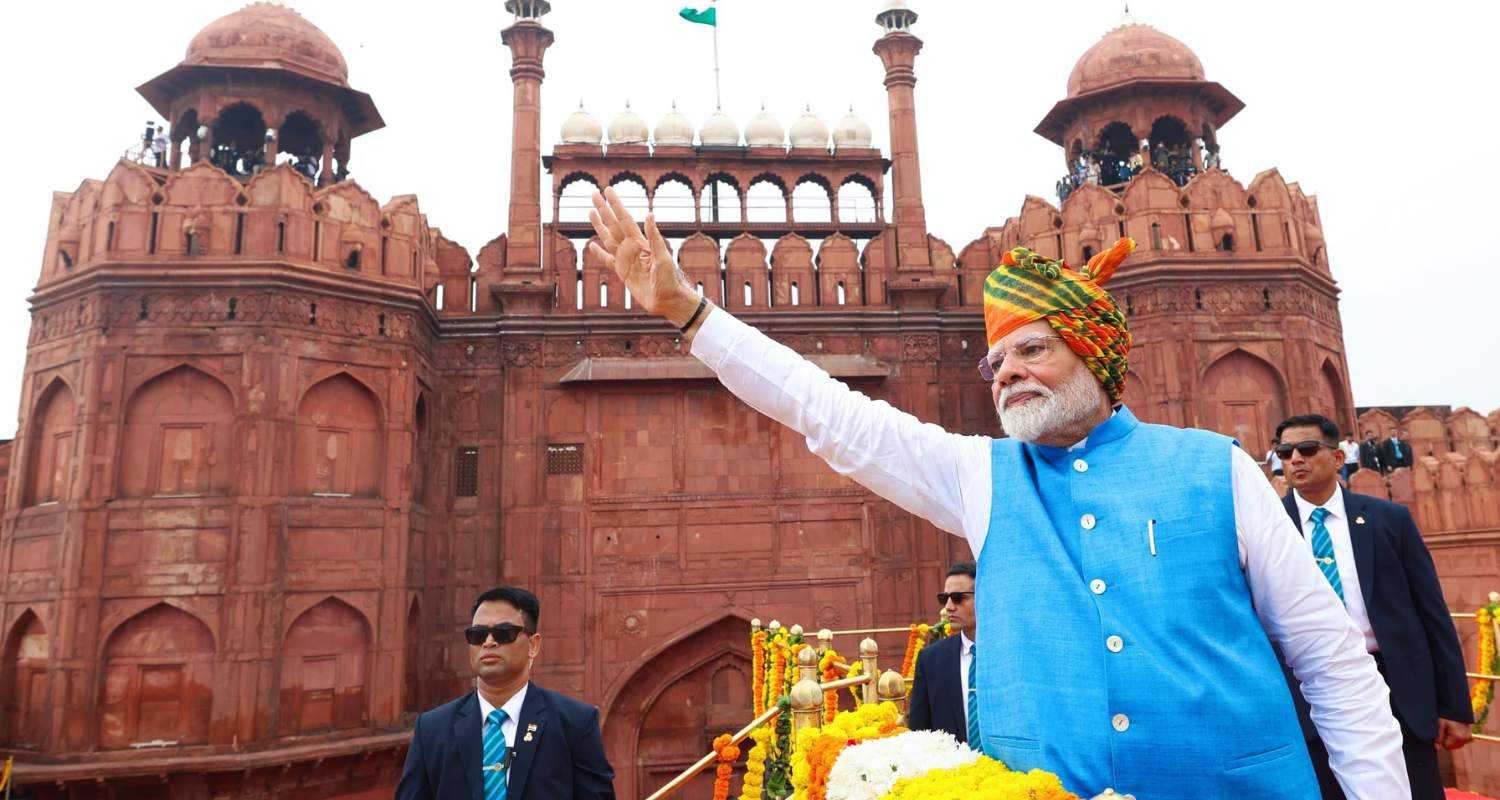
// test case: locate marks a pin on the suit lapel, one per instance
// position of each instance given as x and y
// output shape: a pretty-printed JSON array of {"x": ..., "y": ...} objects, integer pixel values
[
  {"x": 956, "y": 698},
  {"x": 529, "y": 730},
  {"x": 468, "y": 741},
  {"x": 1360, "y": 538}
]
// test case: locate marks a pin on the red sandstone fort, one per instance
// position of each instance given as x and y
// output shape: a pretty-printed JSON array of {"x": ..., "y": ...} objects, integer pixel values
[{"x": 275, "y": 434}]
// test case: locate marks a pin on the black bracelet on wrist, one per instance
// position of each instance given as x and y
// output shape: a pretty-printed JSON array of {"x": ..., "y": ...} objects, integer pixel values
[{"x": 702, "y": 304}]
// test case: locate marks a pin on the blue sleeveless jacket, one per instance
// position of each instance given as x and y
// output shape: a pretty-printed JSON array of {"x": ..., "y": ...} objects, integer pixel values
[{"x": 1117, "y": 644}]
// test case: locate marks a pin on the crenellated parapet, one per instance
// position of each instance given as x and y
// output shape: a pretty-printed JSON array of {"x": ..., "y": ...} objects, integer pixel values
[{"x": 202, "y": 221}]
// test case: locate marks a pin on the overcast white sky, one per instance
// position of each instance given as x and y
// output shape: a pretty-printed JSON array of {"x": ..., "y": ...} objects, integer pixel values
[{"x": 1384, "y": 110}]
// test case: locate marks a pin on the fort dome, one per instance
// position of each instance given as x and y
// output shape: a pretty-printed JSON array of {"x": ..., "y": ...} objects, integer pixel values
[
  {"x": 268, "y": 35},
  {"x": 1133, "y": 52}
]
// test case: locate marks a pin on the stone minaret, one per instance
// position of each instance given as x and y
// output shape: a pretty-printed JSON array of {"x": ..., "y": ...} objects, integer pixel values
[{"x": 528, "y": 40}]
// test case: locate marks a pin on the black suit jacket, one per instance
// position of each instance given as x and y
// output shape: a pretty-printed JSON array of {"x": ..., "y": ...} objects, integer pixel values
[
  {"x": 1424, "y": 665},
  {"x": 937, "y": 691},
  {"x": 1369, "y": 454},
  {"x": 559, "y": 752},
  {"x": 1388, "y": 455}
]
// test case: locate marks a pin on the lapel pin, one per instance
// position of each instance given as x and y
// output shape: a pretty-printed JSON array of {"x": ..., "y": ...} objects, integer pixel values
[{"x": 1359, "y": 520}]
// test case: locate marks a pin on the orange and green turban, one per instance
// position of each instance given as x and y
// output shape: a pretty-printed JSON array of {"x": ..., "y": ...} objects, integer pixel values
[{"x": 1027, "y": 287}]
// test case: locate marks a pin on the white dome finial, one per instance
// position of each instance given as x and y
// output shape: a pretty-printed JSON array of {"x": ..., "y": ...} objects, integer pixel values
[
  {"x": 581, "y": 128},
  {"x": 765, "y": 130},
  {"x": 719, "y": 131},
  {"x": 852, "y": 132},
  {"x": 628, "y": 128},
  {"x": 809, "y": 131}
]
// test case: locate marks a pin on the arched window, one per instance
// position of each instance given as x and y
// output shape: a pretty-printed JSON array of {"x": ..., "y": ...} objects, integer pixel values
[
  {"x": 720, "y": 201},
  {"x": 811, "y": 202},
  {"x": 158, "y": 680},
  {"x": 1171, "y": 152},
  {"x": 575, "y": 198},
  {"x": 840, "y": 290},
  {"x": 765, "y": 201},
  {"x": 857, "y": 202},
  {"x": 24, "y": 691},
  {"x": 239, "y": 140},
  {"x": 50, "y": 460},
  {"x": 749, "y": 295},
  {"x": 338, "y": 441},
  {"x": 1116, "y": 146},
  {"x": 673, "y": 199},
  {"x": 632, "y": 192},
  {"x": 420, "y": 450},
  {"x": 324, "y": 663},
  {"x": 178, "y": 437}
]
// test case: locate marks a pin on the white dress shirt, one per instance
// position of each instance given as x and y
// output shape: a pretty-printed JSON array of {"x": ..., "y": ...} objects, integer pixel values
[
  {"x": 512, "y": 709},
  {"x": 1337, "y": 523},
  {"x": 965, "y": 658},
  {"x": 1351, "y": 452},
  {"x": 945, "y": 478}
]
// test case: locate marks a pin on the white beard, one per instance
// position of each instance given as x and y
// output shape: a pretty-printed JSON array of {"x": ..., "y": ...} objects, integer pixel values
[{"x": 1074, "y": 401}]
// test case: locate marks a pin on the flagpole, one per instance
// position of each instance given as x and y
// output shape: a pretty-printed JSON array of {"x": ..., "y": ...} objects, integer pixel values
[{"x": 718, "y": 101}]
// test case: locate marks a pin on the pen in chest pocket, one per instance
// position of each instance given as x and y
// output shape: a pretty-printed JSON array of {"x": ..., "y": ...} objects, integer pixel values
[{"x": 1151, "y": 535}]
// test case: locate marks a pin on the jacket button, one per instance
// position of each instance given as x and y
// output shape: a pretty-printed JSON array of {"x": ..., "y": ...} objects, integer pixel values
[
  {"x": 1120, "y": 722},
  {"x": 1096, "y": 586},
  {"x": 1079, "y": 465},
  {"x": 1115, "y": 644},
  {"x": 1087, "y": 521}
]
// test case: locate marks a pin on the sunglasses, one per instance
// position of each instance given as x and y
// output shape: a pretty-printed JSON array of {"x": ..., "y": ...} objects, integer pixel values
[
  {"x": 956, "y": 597},
  {"x": 504, "y": 633},
  {"x": 1307, "y": 449}
]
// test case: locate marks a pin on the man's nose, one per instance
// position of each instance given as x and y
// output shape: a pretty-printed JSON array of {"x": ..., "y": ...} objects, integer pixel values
[{"x": 1011, "y": 370}]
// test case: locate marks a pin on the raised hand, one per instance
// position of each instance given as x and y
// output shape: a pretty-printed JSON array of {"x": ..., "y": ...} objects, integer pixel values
[{"x": 642, "y": 259}]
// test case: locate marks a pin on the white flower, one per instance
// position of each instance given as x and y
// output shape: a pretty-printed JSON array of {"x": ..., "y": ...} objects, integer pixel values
[{"x": 867, "y": 770}]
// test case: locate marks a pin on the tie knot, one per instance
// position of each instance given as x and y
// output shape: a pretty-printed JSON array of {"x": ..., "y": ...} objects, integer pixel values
[
  {"x": 1318, "y": 515},
  {"x": 498, "y": 717}
]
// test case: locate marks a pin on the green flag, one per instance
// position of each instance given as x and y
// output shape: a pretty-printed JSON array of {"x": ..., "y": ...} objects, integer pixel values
[{"x": 704, "y": 17}]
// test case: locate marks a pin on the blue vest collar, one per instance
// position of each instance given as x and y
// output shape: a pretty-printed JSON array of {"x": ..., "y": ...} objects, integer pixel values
[{"x": 1119, "y": 425}]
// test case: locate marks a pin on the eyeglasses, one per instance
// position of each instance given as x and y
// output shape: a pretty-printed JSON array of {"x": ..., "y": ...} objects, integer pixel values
[
  {"x": 956, "y": 597},
  {"x": 1308, "y": 448},
  {"x": 1032, "y": 350},
  {"x": 504, "y": 633}
]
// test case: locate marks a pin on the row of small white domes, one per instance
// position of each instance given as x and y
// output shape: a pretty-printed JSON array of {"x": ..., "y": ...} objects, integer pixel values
[{"x": 675, "y": 129}]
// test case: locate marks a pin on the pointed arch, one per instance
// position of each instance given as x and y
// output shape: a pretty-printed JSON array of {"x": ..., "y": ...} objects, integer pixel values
[
  {"x": 766, "y": 198},
  {"x": 1334, "y": 396},
  {"x": 24, "y": 690},
  {"x": 1243, "y": 396},
  {"x": 50, "y": 453},
  {"x": 338, "y": 440},
  {"x": 674, "y": 198},
  {"x": 411, "y": 684},
  {"x": 421, "y": 424},
  {"x": 325, "y": 667},
  {"x": 646, "y": 720},
  {"x": 157, "y": 679},
  {"x": 178, "y": 436}
]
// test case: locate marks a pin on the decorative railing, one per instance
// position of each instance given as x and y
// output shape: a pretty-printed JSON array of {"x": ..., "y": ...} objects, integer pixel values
[{"x": 809, "y": 700}]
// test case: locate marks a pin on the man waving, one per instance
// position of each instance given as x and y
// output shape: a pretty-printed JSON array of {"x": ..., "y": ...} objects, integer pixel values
[{"x": 1128, "y": 574}]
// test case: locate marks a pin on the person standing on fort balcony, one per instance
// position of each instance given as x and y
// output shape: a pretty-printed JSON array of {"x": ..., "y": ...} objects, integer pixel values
[
  {"x": 941, "y": 690},
  {"x": 1373, "y": 556},
  {"x": 1129, "y": 575},
  {"x": 509, "y": 739},
  {"x": 1369, "y": 452},
  {"x": 1350, "y": 449},
  {"x": 1395, "y": 452}
]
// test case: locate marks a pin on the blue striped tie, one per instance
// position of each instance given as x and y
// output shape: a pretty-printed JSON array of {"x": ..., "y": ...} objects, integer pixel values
[
  {"x": 1322, "y": 545},
  {"x": 494, "y": 756},
  {"x": 973, "y": 699}
]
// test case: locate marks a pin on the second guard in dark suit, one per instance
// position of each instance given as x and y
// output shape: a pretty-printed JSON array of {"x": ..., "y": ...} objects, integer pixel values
[
  {"x": 1395, "y": 452},
  {"x": 940, "y": 696},
  {"x": 510, "y": 739},
  {"x": 1369, "y": 453},
  {"x": 1374, "y": 557}
]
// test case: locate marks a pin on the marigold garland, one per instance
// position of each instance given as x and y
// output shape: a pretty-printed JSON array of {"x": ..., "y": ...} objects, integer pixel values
[
  {"x": 758, "y": 670},
  {"x": 817, "y": 749},
  {"x": 1485, "y": 663},
  {"x": 985, "y": 779},
  {"x": 909, "y": 657},
  {"x": 755, "y": 764},
  {"x": 828, "y": 673},
  {"x": 727, "y": 753},
  {"x": 777, "y": 675}
]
